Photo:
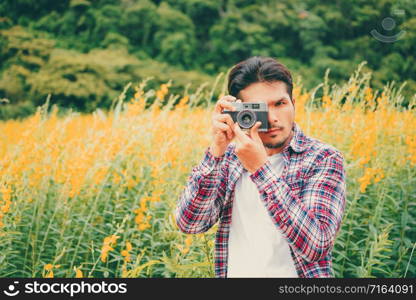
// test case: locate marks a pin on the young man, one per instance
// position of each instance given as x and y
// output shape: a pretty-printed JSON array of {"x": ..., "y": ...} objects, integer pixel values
[{"x": 279, "y": 195}]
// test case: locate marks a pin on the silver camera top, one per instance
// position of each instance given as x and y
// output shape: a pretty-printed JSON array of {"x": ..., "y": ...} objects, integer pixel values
[{"x": 250, "y": 105}]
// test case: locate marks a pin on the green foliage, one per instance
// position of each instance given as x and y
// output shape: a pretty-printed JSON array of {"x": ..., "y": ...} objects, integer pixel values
[
  {"x": 91, "y": 80},
  {"x": 23, "y": 55},
  {"x": 33, "y": 69},
  {"x": 234, "y": 39},
  {"x": 139, "y": 24},
  {"x": 20, "y": 110},
  {"x": 175, "y": 36},
  {"x": 368, "y": 245},
  {"x": 82, "y": 80}
]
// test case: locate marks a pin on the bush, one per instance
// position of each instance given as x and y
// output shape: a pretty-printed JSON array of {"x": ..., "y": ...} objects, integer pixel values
[{"x": 20, "y": 110}]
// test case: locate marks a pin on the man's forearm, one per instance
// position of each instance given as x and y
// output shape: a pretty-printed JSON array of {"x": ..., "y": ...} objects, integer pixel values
[
  {"x": 201, "y": 201},
  {"x": 311, "y": 220}
]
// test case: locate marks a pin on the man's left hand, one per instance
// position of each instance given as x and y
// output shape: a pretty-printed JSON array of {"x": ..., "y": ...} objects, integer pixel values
[{"x": 249, "y": 148}]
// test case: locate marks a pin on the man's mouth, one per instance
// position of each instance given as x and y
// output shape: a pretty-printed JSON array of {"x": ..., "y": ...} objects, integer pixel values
[{"x": 274, "y": 130}]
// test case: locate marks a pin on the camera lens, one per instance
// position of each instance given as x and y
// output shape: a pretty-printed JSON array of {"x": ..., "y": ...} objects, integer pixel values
[{"x": 246, "y": 119}]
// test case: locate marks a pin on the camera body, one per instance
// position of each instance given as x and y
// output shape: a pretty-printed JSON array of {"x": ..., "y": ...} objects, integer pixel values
[{"x": 248, "y": 113}]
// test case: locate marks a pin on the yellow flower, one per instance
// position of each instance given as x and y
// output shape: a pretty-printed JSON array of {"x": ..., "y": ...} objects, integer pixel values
[
  {"x": 352, "y": 88},
  {"x": 113, "y": 239},
  {"x": 104, "y": 255},
  {"x": 162, "y": 92},
  {"x": 139, "y": 218},
  {"x": 379, "y": 176},
  {"x": 116, "y": 178},
  {"x": 143, "y": 226},
  {"x": 6, "y": 192},
  {"x": 5, "y": 208},
  {"x": 326, "y": 101},
  {"x": 182, "y": 103},
  {"x": 188, "y": 241},
  {"x": 108, "y": 242},
  {"x": 138, "y": 93},
  {"x": 126, "y": 255},
  {"x": 143, "y": 203},
  {"x": 185, "y": 249},
  {"x": 48, "y": 268},
  {"x": 369, "y": 174},
  {"x": 124, "y": 271},
  {"x": 78, "y": 273},
  {"x": 126, "y": 251},
  {"x": 49, "y": 274},
  {"x": 182, "y": 249},
  {"x": 368, "y": 94}
]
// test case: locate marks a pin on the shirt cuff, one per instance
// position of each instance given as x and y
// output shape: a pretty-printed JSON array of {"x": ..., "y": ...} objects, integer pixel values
[
  {"x": 264, "y": 176},
  {"x": 210, "y": 163},
  {"x": 269, "y": 183}
]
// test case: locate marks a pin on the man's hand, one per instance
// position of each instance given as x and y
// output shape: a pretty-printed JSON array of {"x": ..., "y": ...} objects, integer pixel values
[
  {"x": 249, "y": 148},
  {"x": 222, "y": 125}
]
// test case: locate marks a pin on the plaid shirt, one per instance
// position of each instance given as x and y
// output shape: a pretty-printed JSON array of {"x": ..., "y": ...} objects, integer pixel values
[{"x": 306, "y": 202}]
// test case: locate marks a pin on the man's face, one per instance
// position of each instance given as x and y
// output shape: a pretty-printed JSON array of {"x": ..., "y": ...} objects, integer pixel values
[{"x": 281, "y": 112}]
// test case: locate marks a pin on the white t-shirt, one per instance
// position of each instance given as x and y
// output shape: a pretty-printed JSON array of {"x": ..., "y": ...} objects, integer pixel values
[{"x": 257, "y": 247}]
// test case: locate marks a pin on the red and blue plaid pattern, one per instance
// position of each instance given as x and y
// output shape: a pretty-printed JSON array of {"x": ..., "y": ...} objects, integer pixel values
[{"x": 306, "y": 202}]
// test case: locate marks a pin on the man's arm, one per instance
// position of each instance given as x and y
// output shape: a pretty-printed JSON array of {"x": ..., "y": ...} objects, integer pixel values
[
  {"x": 311, "y": 220},
  {"x": 201, "y": 202}
]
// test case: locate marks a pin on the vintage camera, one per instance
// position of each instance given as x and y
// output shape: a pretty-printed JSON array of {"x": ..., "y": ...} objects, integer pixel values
[{"x": 248, "y": 113}]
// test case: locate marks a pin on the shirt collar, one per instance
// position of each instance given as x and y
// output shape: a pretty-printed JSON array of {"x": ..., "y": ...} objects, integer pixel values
[{"x": 299, "y": 141}]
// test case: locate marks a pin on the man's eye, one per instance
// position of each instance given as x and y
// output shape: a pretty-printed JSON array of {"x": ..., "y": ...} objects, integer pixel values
[{"x": 277, "y": 103}]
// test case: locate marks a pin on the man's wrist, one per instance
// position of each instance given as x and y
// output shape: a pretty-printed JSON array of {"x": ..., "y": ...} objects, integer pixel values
[
  {"x": 210, "y": 164},
  {"x": 217, "y": 153}
]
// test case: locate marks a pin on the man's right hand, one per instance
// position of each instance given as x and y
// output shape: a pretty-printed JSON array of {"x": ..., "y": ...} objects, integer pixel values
[{"x": 222, "y": 125}]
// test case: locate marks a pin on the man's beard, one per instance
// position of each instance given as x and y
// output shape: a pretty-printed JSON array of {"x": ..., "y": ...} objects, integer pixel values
[
  {"x": 278, "y": 145},
  {"x": 274, "y": 146}
]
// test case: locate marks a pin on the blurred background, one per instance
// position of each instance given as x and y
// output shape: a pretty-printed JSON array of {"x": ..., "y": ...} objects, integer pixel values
[{"x": 84, "y": 52}]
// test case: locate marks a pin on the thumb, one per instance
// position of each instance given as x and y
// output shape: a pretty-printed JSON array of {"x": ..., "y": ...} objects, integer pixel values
[{"x": 254, "y": 132}]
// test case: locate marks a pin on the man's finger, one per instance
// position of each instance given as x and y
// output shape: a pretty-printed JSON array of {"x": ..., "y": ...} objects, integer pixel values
[
  {"x": 240, "y": 135},
  {"x": 225, "y": 118},
  {"x": 254, "y": 131},
  {"x": 224, "y": 103},
  {"x": 237, "y": 132},
  {"x": 229, "y": 98}
]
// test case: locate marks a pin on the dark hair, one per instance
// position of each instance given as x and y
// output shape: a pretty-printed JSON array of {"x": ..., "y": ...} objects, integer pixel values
[{"x": 258, "y": 69}]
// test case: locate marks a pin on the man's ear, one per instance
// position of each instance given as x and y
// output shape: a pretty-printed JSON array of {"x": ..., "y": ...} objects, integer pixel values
[{"x": 293, "y": 102}]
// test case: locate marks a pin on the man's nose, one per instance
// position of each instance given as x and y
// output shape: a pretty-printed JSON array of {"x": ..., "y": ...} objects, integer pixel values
[{"x": 273, "y": 119}]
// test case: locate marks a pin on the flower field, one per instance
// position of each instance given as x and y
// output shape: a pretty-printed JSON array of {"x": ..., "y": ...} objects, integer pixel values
[{"x": 94, "y": 195}]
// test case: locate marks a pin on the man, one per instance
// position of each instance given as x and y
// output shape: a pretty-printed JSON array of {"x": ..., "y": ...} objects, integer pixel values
[{"x": 279, "y": 195}]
